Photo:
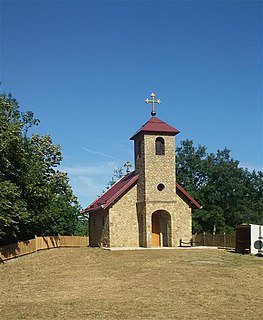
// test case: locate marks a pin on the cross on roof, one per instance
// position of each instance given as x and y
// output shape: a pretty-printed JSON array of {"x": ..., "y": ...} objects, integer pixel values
[
  {"x": 127, "y": 164},
  {"x": 152, "y": 101}
]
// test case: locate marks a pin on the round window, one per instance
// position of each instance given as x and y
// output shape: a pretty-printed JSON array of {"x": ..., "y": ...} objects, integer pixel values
[{"x": 160, "y": 186}]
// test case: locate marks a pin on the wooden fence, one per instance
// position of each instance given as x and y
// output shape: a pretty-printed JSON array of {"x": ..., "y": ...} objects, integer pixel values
[
  {"x": 215, "y": 240},
  {"x": 41, "y": 243}
]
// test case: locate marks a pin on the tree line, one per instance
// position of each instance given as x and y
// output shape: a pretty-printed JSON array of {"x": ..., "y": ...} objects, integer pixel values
[
  {"x": 230, "y": 194},
  {"x": 35, "y": 197}
]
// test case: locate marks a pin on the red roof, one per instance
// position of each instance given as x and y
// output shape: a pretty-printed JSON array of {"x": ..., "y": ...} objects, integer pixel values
[
  {"x": 121, "y": 186},
  {"x": 182, "y": 192},
  {"x": 117, "y": 190},
  {"x": 155, "y": 125}
]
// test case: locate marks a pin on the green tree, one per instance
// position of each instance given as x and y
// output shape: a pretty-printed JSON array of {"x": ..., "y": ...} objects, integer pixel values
[
  {"x": 13, "y": 210},
  {"x": 190, "y": 165},
  {"x": 35, "y": 198},
  {"x": 230, "y": 194}
]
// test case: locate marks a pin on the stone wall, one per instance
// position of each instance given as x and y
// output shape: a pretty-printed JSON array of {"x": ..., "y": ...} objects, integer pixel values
[
  {"x": 140, "y": 167},
  {"x": 141, "y": 214},
  {"x": 159, "y": 169},
  {"x": 181, "y": 220},
  {"x": 123, "y": 221},
  {"x": 128, "y": 222},
  {"x": 99, "y": 228},
  {"x": 154, "y": 170}
]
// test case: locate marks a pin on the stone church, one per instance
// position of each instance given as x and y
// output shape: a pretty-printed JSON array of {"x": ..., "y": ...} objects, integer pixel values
[{"x": 146, "y": 207}]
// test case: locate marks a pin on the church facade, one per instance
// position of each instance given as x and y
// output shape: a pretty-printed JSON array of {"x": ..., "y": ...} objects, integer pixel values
[{"x": 146, "y": 207}]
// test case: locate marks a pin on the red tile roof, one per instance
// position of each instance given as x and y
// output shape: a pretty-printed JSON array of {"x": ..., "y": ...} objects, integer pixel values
[
  {"x": 121, "y": 186},
  {"x": 155, "y": 125}
]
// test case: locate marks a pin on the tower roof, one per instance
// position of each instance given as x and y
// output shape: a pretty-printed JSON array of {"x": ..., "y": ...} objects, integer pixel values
[{"x": 155, "y": 125}]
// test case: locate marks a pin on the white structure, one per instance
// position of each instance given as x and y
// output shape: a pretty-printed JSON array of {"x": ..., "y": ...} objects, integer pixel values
[{"x": 249, "y": 238}]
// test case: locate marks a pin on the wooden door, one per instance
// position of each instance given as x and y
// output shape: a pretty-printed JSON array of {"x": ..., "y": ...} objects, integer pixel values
[{"x": 155, "y": 230}]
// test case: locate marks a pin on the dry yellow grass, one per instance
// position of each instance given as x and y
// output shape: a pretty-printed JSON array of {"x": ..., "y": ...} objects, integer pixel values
[{"x": 84, "y": 283}]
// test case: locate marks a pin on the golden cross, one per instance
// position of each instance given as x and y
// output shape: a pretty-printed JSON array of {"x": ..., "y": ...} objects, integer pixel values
[{"x": 152, "y": 101}]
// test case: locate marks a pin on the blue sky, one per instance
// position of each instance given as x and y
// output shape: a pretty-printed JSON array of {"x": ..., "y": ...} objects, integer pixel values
[{"x": 85, "y": 68}]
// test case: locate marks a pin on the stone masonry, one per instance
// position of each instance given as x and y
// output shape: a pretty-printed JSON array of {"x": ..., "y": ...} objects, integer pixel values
[
  {"x": 124, "y": 228},
  {"x": 155, "y": 169},
  {"x": 145, "y": 207}
]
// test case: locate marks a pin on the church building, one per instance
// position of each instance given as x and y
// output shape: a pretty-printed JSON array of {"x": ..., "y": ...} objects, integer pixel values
[{"x": 146, "y": 207}]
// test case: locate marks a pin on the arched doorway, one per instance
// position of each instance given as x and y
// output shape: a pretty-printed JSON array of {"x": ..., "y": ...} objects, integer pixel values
[{"x": 161, "y": 229}]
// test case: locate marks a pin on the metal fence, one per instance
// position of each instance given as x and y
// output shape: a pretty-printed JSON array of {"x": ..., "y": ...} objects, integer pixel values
[{"x": 41, "y": 243}]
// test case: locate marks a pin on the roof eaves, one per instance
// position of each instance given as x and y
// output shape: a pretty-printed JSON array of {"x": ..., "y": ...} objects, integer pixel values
[
  {"x": 188, "y": 196},
  {"x": 149, "y": 132},
  {"x": 155, "y": 125},
  {"x": 87, "y": 210}
]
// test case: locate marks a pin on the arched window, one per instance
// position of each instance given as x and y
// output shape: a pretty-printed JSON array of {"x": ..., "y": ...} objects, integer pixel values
[{"x": 159, "y": 146}]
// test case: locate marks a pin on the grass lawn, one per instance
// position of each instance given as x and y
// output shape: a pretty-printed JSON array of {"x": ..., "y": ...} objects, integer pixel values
[{"x": 85, "y": 283}]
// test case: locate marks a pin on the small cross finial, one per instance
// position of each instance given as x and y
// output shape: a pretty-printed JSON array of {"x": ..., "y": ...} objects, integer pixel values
[
  {"x": 152, "y": 101},
  {"x": 128, "y": 165}
]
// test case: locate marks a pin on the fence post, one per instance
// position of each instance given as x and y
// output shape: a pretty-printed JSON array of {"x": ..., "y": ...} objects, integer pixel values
[
  {"x": 35, "y": 243},
  {"x": 224, "y": 239},
  {"x": 203, "y": 238}
]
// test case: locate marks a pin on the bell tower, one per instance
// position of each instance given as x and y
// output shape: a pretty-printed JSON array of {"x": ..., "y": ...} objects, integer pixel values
[{"x": 154, "y": 150}]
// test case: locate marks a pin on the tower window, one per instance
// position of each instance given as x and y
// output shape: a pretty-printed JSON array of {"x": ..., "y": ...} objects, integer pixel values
[{"x": 159, "y": 146}]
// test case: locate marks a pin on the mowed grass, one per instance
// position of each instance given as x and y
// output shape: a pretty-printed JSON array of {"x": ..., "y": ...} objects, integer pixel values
[{"x": 86, "y": 283}]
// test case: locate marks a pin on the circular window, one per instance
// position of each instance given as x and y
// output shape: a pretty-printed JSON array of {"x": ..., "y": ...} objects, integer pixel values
[{"x": 160, "y": 186}]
